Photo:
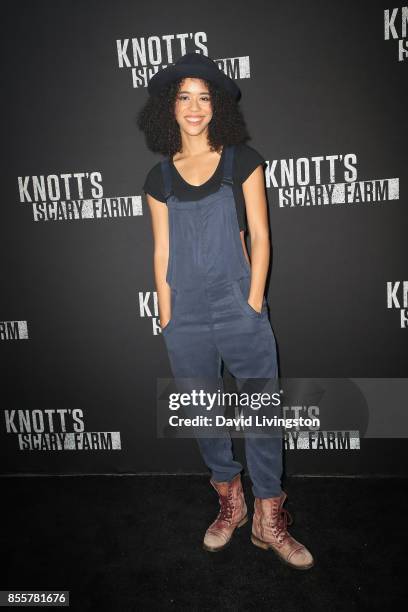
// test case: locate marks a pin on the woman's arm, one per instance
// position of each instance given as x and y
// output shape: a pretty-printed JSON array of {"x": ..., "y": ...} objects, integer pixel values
[
  {"x": 160, "y": 225},
  {"x": 257, "y": 216}
]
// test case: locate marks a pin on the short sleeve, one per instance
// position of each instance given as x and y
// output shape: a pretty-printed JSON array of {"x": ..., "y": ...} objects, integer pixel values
[
  {"x": 153, "y": 184},
  {"x": 247, "y": 160}
]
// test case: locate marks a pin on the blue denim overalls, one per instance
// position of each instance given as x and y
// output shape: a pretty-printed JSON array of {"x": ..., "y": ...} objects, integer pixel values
[{"x": 211, "y": 319}]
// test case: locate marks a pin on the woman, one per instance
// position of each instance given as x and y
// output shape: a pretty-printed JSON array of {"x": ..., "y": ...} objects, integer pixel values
[{"x": 211, "y": 296}]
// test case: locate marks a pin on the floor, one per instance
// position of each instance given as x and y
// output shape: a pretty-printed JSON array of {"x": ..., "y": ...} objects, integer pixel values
[{"x": 134, "y": 543}]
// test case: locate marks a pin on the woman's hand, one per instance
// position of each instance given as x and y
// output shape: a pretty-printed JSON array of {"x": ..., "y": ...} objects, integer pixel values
[
  {"x": 165, "y": 322},
  {"x": 256, "y": 306}
]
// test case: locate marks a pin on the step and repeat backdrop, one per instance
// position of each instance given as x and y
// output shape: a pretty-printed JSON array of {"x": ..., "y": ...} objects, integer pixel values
[{"x": 324, "y": 95}]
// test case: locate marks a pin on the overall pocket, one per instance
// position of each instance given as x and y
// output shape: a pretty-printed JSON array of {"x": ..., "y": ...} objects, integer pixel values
[
  {"x": 170, "y": 323},
  {"x": 241, "y": 289}
]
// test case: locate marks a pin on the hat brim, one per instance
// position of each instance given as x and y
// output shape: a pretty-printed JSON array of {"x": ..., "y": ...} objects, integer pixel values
[{"x": 166, "y": 75}]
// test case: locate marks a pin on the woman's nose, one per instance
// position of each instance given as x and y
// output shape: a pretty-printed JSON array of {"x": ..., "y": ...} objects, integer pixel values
[{"x": 194, "y": 104}]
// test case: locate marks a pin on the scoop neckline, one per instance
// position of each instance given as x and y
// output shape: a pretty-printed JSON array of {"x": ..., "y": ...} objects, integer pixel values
[{"x": 206, "y": 182}]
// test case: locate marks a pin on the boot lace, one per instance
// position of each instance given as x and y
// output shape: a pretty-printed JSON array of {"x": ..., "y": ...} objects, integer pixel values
[
  {"x": 225, "y": 513},
  {"x": 278, "y": 523}
]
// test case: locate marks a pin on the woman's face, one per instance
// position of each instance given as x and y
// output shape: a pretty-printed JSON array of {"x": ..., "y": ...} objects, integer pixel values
[{"x": 193, "y": 109}]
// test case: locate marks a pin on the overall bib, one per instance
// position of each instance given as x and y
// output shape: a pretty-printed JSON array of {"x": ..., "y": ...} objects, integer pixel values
[{"x": 211, "y": 320}]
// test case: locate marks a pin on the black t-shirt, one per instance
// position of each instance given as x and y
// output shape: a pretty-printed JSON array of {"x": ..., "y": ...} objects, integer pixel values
[{"x": 246, "y": 159}]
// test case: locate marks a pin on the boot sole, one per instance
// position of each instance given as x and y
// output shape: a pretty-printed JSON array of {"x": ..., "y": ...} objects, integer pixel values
[
  {"x": 266, "y": 546},
  {"x": 211, "y": 549}
]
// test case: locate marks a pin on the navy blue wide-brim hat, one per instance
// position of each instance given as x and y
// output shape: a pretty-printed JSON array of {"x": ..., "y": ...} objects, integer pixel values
[{"x": 193, "y": 65}]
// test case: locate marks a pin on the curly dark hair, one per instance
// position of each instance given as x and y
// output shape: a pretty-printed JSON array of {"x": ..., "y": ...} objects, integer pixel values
[{"x": 162, "y": 132}]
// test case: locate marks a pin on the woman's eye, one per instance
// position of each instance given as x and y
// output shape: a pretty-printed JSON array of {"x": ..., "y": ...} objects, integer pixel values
[{"x": 204, "y": 98}]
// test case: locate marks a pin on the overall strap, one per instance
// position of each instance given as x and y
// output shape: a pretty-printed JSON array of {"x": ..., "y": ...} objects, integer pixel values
[
  {"x": 228, "y": 162},
  {"x": 166, "y": 172}
]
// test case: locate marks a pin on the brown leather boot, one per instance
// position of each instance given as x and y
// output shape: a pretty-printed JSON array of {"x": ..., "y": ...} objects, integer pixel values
[
  {"x": 269, "y": 531},
  {"x": 233, "y": 513}
]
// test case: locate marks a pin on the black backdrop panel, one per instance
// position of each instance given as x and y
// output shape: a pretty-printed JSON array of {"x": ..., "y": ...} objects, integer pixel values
[{"x": 324, "y": 95}]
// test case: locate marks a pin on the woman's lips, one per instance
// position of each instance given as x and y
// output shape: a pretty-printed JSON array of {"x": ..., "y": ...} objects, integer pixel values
[{"x": 194, "y": 120}]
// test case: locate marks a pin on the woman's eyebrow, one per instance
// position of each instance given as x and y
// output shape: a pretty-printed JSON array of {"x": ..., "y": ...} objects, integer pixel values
[{"x": 187, "y": 91}]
